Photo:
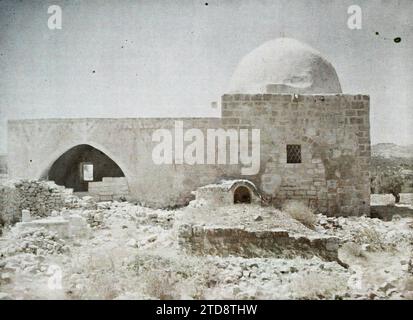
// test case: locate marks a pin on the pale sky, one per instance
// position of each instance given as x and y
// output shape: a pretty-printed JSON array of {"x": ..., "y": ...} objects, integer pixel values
[{"x": 173, "y": 58}]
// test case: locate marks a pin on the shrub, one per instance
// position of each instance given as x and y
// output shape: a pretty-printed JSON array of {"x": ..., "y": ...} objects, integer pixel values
[
  {"x": 174, "y": 277},
  {"x": 372, "y": 238},
  {"x": 160, "y": 285},
  {"x": 300, "y": 212},
  {"x": 97, "y": 275},
  {"x": 390, "y": 183}
]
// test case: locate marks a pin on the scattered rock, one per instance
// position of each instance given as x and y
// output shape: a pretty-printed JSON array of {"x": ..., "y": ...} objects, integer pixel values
[
  {"x": 152, "y": 215},
  {"x": 151, "y": 238},
  {"x": 132, "y": 243},
  {"x": 386, "y": 286},
  {"x": 258, "y": 276},
  {"x": 5, "y": 277}
]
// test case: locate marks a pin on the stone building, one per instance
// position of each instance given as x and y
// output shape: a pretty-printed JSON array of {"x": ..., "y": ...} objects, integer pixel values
[{"x": 314, "y": 140}]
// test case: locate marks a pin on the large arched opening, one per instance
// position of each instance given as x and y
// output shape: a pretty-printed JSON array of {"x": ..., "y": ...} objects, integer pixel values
[{"x": 80, "y": 165}]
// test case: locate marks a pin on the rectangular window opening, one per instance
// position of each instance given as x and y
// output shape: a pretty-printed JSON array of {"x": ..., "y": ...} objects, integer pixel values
[
  {"x": 293, "y": 153},
  {"x": 87, "y": 171}
]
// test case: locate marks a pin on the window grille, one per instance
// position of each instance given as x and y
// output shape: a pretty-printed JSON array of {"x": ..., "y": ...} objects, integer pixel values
[{"x": 293, "y": 153}]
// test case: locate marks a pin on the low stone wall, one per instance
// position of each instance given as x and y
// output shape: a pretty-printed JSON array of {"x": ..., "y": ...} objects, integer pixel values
[
  {"x": 39, "y": 197},
  {"x": 110, "y": 188},
  {"x": 406, "y": 198},
  {"x": 66, "y": 225},
  {"x": 382, "y": 199},
  {"x": 387, "y": 199},
  {"x": 225, "y": 241},
  {"x": 386, "y": 213}
]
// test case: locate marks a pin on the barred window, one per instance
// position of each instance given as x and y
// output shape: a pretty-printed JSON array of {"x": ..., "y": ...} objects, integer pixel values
[{"x": 293, "y": 153}]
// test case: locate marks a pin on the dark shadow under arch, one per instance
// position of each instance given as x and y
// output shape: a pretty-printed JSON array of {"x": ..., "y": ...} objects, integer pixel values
[
  {"x": 66, "y": 170},
  {"x": 242, "y": 195}
]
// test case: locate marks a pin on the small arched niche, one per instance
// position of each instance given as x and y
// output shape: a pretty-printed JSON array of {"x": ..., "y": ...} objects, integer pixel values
[{"x": 242, "y": 195}]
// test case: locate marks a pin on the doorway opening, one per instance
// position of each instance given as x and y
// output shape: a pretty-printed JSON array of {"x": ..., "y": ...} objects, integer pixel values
[{"x": 80, "y": 165}]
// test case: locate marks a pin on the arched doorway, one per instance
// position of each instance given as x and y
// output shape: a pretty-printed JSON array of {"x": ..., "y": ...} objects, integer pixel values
[
  {"x": 80, "y": 165},
  {"x": 242, "y": 195}
]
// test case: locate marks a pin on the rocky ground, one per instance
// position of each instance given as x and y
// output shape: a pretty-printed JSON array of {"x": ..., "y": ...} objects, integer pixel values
[{"x": 132, "y": 252}]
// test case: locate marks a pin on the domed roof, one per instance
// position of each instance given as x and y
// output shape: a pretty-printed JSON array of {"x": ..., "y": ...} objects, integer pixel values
[{"x": 285, "y": 65}]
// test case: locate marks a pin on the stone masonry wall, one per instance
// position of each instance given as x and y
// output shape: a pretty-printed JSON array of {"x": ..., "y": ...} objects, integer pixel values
[
  {"x": 226, "y": 241},
  {"x": 36, "y": 144},
  {"x": 110, "y": 188},
  {"x": 333, "y": 131}
]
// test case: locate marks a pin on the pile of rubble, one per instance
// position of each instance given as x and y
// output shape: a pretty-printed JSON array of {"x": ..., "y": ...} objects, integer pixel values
[
  {"x": 36, "y": 241},
  {"x": 373, "y": 234},
  {"x": 132, "y": 212},
  {"x": 94, "y": 218},
  {"x": 74, "y": 202},
  {"x": 294, "y": 278},
  {"x": 211, "y": 277},
  {"x": 130, "y": 251}
]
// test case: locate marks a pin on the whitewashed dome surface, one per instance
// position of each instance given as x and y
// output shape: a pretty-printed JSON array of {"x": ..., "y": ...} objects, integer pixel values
[{"x": 285, "y": 65}]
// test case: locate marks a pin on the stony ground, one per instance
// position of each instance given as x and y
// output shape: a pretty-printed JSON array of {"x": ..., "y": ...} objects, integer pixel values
[{"x": 133, "y": 253}]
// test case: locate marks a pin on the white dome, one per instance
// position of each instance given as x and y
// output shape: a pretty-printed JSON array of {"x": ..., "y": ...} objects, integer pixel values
[{"x": 285, "y": 66}]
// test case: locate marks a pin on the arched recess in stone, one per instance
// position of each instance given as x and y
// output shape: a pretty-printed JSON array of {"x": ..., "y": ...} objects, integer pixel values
[
  {"x": 242, "y": 194},
  {"x": 69, "y": 169},
  {"x": 243, "y": 191}
]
